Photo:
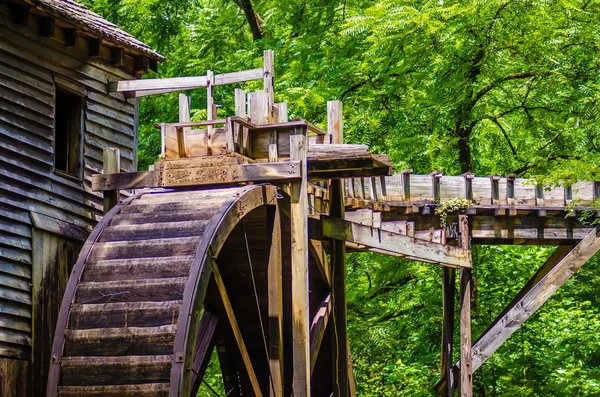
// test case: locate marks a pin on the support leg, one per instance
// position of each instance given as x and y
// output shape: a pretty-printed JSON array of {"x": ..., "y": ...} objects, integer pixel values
[
  {"x": 300, "y": 279},
  {"x": 466, "y": 274}
]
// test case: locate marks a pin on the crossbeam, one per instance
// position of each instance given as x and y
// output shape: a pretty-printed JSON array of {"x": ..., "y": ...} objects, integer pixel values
[
  {"x": 385, "y": 240},
  {"x": 173, "y": 84},
  {"x": 559, "y": 268}
]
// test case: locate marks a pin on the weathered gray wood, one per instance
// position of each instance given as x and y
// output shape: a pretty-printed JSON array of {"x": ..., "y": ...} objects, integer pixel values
[
  {"x": 111, "y": 165},
  {"x": 153, "y": 290},
  {"x": 275, "y": 297},
  {"x": 143, "y": 390},
  {"x": 128, "y": 341},
  {"x": 448, "y": 296},
  {"x": 236, "y": 330},
  {"x": 300, "y": 278},
  {"x": 466, "y": 373},
  {"x": 124, "y": 314},
  {"x": 79, "y": 371},
  {"x": 189, "y": 176},
  {"x": 394, "y": 242},
  {"x": 559, "y": 268},
  {"x": 317, "y": 329}
]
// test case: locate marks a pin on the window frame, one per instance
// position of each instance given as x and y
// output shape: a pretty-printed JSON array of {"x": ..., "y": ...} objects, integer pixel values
[{"x": 78, "y": 177}]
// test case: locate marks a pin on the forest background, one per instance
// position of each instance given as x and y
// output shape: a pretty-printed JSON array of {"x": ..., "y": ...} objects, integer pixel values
[{"x": 488, "y": 86}]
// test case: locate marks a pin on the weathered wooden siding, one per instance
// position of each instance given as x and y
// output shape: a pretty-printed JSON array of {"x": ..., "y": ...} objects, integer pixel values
[{"x": 32, "y": 196}]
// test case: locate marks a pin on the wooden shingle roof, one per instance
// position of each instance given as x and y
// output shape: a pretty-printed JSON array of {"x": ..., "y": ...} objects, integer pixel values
[{"x": 93, "y": 24}]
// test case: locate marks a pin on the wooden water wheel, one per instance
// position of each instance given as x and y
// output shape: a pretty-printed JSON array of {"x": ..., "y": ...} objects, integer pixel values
[{"x": 164, "y": 279}]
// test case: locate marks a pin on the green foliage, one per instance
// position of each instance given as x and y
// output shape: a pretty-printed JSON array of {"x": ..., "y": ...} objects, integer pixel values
[
  {"x": 450, "y": 207},
  {"x": 488, "y": 86}
]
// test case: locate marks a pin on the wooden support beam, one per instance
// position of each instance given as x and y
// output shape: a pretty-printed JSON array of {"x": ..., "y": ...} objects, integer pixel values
[
  {"x": 211, "y": 113},
  {"x": 448, "y": 293},
  {"x": 386, "y": 240},
  {"x": 299, "y": 264},
  {"x": 320, "y": 257},
  {"x": 556, "y": 271},
  {"x": 275, "y": 296},
  {"x": 269, "y": 82},
  {"x": 111, "y": 165},
  {"x": 254, "y": 172},
  {"x": 335, "y": 128},
  {"x": 466, "y": 276},
  {"x": 117, "y": 55},
  {"x": 173, "y": 84},
  {"x": 317, "y": 329},
  {"x": 71, "y": 37},
  {"x": 241, "y": 135},
  {"x": 204, "y": 348},
  {"x": 236, "y": 329}
]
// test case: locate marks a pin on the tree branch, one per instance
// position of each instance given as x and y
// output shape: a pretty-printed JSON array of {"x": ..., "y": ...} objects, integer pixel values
[
  {"x": 252, "y": 18},
  {"x": 496, "y": 83}
]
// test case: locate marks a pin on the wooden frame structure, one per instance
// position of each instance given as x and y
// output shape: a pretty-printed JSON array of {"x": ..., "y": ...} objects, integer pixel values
[{"x": 307, "y": 199}]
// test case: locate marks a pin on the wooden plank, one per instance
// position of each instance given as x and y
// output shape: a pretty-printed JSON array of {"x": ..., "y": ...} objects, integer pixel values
[
  {"x": 59, "y": 226},
  {"x": 111, "y": 165},
  {"x": 171, "y": 83},
  {"x": 126, "y": 180},
  {"x": 147, "y": 87},
  {"x": 275, "y": 299},
  {"x": 182, "y": 176},
  {"x": 393, "y": 242},
  {"x": 466, "y": 276},
  {"x": 235, "y": 328},
  {"x": 317, "y": 329},
  {"x": 300, "y": 278}
]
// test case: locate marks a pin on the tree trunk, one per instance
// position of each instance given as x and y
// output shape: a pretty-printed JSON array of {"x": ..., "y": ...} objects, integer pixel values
[
  {"x": 246, "y": 6},
  {"x": 464, "y": 154}
]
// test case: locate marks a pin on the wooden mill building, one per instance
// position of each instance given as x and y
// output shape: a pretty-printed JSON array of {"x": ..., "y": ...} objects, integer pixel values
[{"x": 56, "y": 116}]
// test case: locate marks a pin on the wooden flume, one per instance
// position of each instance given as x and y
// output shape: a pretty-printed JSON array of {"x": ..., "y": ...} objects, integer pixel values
[{"x": 240, "y": 247}]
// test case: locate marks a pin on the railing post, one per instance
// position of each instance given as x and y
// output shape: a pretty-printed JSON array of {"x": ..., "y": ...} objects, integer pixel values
[
  {"x": 111, "y": 165},
  {"x": 495, "y": 182},
  {"x": 241, "y": 134},
  {"x": 436, "y": 179},
  {"x": 405, "y": 177}
]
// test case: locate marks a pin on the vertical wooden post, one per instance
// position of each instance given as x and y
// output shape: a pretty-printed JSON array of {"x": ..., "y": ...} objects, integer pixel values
[
  {"x": 466, "y": 275},
  {"x": 275, "y": 282},
  {"x": 282, "y": 108},
  {"x": 436, "y": 179},
  {"x": 568, "y": 195},
  {"x": 300, "y": 280},
  {"x": 269, "y": 82},
  {"x": 448, "y": 293},
  {"x": 405, "y": 176},
  {"x": 184, "y": 117},
  {"x": 210, "y": 107},
  {"x": 495, "y": 182},
  {"x": 111, "y": 165},
  {"x": 510, "y": 189},
  {"x": 335, "y": 122},
  {"x": 335, "y": 127},
  {"x": 241, "y": 133},
  {"x": 469, "y": 186}
]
